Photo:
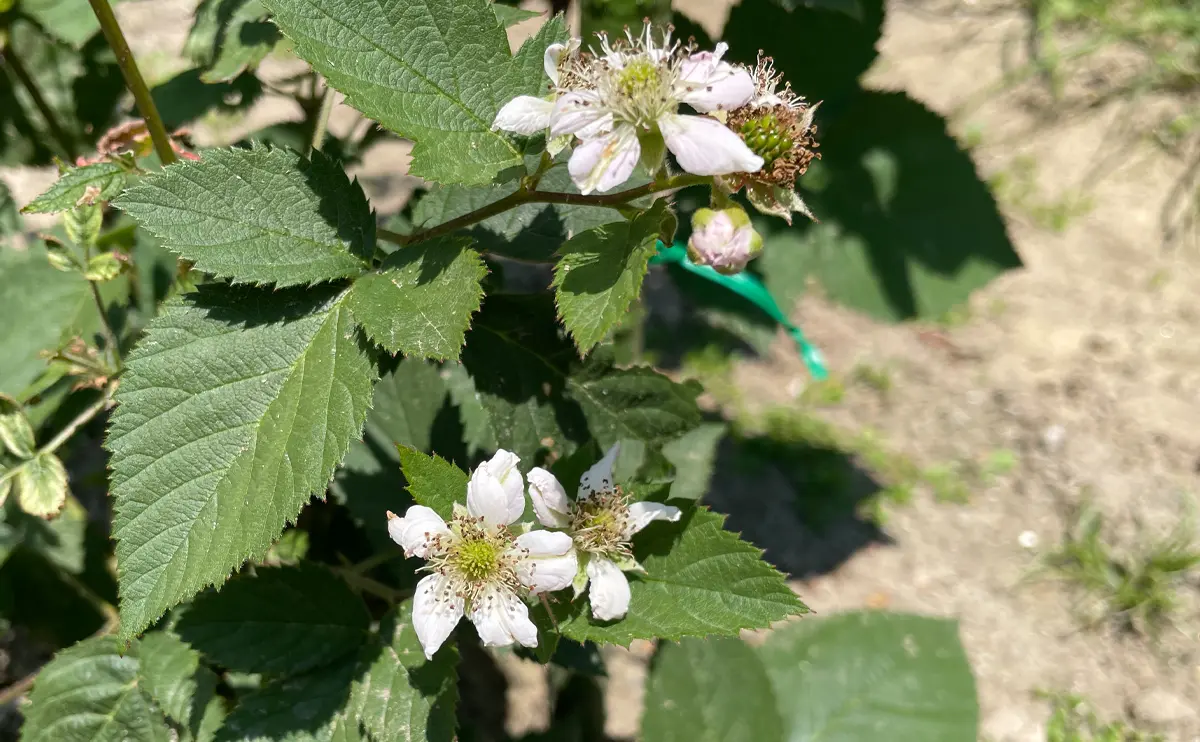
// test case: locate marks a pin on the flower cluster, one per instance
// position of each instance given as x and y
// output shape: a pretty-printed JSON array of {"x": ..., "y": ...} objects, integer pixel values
[
  {"x": 620, "y": 104},
  {"x": 481, "y": 568}
]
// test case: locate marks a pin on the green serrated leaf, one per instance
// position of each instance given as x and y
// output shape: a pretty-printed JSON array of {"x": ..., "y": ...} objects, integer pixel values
[
  {"x": 41, "y": 485},
  {"x": 638, "y": 403},
  {"x": 511, "y": 16},
  {"x": 170, "y": 673},
  {"x": 700, "y": 580},
  {"x": 715, "y": 690},
  {"x": 16, "y": 435},
  {"x": 301, "y": 708},
  {"x": 434, "y": 71},
  {"x": 90, "y": 693},
  {"x": 258, "y": 215},
  {"x": 71, "y": 21},
  {"x": 98, "y": 182},
  {"x": 600, "y": 274},
  {"x": 401, "y": 696},
  {"x": 421, "y": 300},
  {"x": 234, "y": 410},
  {"x": 528, "y": 232},
  {"x": 257, "y": 623},
  {"x": 910, "y": 676},
  {"x": 433, "y": 481}
]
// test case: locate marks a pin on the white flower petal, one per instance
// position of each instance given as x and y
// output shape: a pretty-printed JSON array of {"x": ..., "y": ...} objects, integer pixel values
[
  {"x": 416, "y": 530},
  {"x": 487, "y": 499},
  {"x": 524, "y": 114},
  {"x": 539, "y": 544},
  {"x": 547, "y": 561},
  {"x": 577, "y": 111},
  {"x": 501, "y": 618},
  {"x": 605, "y": 163},
  {"x": 503, "y": 466},
  {"x": 549, "y": 499},
  {"x": 704, "y": 146},
  {"x": 550, "y": 60},
  {"x": 728, "y": 91},
  {"x": 599, "y": 478},
  {"x": 641, "y": 514},
  {"x": 553, "y": 56},
  {"x": 708, "y": 84},
  {"x": 609, "y": 590},
  {"x": 437, "y": 609}
]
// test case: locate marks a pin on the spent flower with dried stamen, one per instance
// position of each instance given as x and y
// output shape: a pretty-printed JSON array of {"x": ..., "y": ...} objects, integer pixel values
[
  {"x": 601, "y": 521},
  {"x": 777, "y": 125},
  {"x": 479, "y": 567}
]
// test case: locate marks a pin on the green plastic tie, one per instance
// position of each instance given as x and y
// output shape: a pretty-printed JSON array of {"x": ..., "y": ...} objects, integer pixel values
[{"x": 747, "y": 286}]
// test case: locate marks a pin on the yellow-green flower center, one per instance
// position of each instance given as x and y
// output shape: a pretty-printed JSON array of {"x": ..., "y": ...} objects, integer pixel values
[
  {"x": 477, "y": 560},
  {"x": 639, "y": 77},
  {"x": 598, "y": 524},
  {"x": 767, "y": 138}
]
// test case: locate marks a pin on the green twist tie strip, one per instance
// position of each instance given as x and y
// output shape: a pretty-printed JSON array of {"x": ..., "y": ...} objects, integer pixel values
[{"x": 747, "y": 286}]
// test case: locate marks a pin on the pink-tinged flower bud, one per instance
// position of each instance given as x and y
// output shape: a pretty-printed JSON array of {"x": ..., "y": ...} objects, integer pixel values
[{"x": 724, "y": 239}]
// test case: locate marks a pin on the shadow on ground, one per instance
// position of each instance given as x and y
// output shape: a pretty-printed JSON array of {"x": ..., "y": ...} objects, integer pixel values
[{"x": 803, "y": 503}]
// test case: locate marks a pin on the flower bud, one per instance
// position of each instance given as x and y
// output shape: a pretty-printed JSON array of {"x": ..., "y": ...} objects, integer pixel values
[{"x": 723, "y": 239}]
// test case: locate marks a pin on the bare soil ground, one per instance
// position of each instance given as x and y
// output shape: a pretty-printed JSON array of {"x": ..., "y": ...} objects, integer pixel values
[{"x": 1086, "y": 363}]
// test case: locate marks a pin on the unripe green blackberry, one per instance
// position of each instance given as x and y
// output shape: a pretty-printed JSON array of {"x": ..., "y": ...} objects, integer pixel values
[{"x": 766, "y": 138}]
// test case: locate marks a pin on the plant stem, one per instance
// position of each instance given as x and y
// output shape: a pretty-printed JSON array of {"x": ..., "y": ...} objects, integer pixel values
[
  {"x": 321, "y": 124},
  {"x": 374, "y": 561},
  {"x": 519, "y": 197},
  {"x": 134, "y": 80},
  {"x": 13, "y": 62},
  {"x": 368, "y": 585},
  {"x": 110, "y": 337},
  {"x": 80, "y": 420}
]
